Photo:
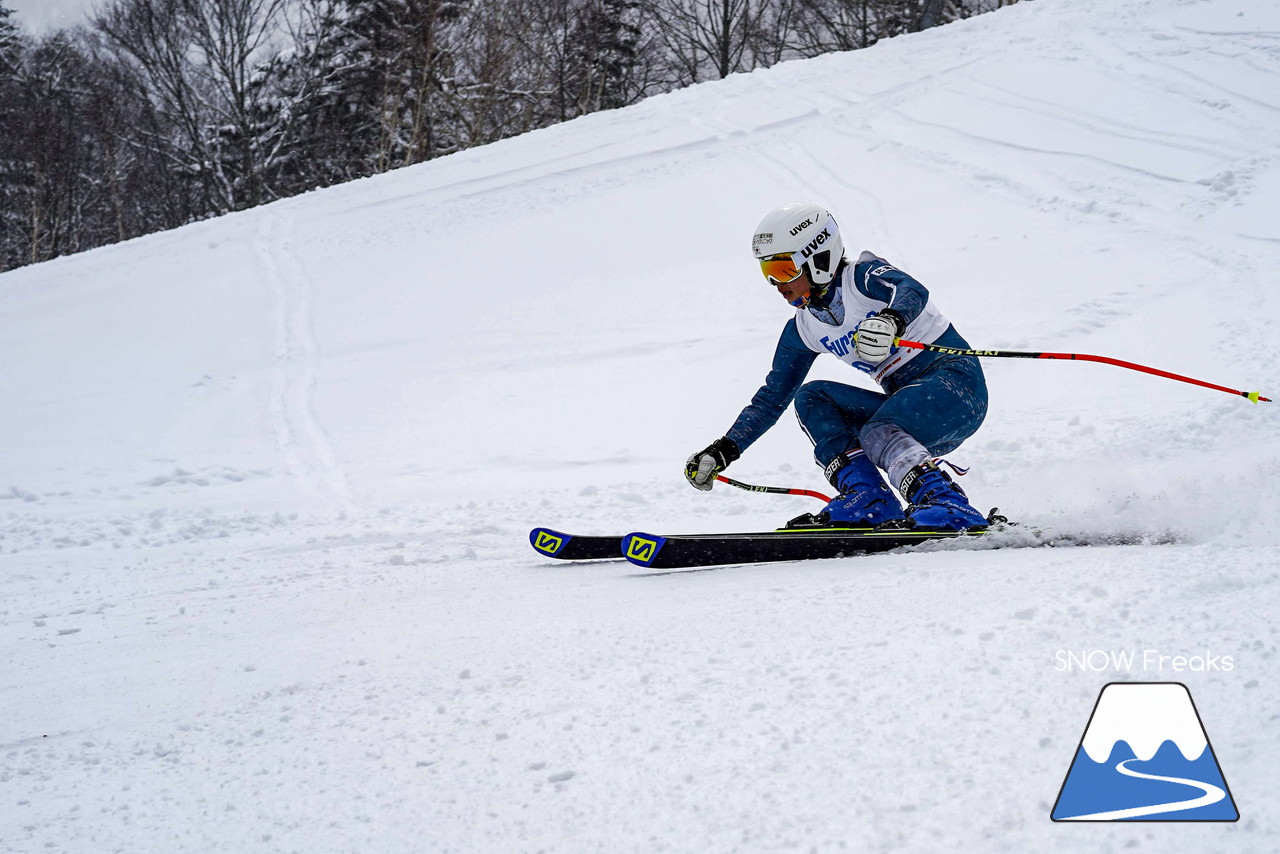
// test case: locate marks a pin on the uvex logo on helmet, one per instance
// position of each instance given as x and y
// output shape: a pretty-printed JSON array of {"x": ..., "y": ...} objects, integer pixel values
[
  {"x": 802, "y": 226},
  {"x": 813, "y": 245}
]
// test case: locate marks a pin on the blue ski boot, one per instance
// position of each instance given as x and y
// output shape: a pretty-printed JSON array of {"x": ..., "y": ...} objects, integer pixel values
[
  {"x": 864, "y": 499},
  {"x": 936, "y": 502}
]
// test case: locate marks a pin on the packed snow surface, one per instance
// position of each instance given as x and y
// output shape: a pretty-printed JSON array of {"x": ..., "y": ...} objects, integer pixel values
[{"x": 267, "y": 479}]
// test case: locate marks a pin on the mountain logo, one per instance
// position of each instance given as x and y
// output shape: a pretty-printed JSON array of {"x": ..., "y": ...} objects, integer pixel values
[{"x": 1145, "y": 756}]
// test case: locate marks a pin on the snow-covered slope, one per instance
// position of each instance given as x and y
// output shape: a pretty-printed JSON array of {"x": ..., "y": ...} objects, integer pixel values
[{"x": 263, "y": 561}]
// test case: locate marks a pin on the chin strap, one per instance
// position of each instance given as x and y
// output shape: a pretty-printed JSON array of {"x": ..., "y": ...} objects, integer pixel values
[{"x": 818, "y": 301}]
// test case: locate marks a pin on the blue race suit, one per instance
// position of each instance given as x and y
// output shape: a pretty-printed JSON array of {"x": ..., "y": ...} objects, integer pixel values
[{"x": 937, "y": 400}]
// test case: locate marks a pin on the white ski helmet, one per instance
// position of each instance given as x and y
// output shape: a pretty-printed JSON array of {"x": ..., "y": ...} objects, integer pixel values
[{"x": 798, "y": 236}]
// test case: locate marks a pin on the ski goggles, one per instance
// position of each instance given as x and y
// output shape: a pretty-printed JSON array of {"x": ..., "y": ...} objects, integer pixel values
[{"x": 780, "y": 269}]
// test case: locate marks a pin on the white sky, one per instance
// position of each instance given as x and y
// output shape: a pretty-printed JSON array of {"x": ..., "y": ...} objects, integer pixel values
[{"x": 42, "y": 16}]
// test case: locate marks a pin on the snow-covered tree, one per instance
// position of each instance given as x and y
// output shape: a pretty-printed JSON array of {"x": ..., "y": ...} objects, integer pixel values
[
  {"x": 610, "y": 54},
  {"x": 10, "y": 40},
  {"x": 196, "y": 61}
]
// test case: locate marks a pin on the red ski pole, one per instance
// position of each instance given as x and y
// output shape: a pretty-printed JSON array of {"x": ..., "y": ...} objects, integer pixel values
[
  {"x": 776, "y": 490},
  {"x": 1081, "y": 357}
]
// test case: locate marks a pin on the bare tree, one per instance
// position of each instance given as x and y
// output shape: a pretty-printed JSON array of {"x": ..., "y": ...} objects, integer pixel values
[
  {"x": 232, "y": 36},
  {"x": 835, "y": 25},
  {"x": 197, "y": 60},
  {"x": 541, "y": 33},
  {"x": 566, "y": 58},
  {"x": 151, "y": 36},
  {"x": 709, "y": 38}
]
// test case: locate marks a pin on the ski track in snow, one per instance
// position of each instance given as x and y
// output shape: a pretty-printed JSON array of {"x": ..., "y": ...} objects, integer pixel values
[{"x": 299, "y": 434}]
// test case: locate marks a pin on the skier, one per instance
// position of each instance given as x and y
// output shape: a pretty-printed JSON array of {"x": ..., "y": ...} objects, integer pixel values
[{"x": 931, "y": 402}]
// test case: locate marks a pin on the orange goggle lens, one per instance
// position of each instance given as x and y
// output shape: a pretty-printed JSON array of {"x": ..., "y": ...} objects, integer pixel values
[{"x": 780, "y": 269}]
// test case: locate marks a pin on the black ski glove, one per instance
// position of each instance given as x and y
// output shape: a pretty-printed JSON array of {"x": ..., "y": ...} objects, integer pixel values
[{"x": 702, "y": 467}]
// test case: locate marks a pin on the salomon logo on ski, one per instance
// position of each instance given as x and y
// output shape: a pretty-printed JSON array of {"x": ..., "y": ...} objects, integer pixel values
[
  {"x": 548, "y": 542},
  {"x": 560, "y": 546},
  {"x": 641, "y": 549}
]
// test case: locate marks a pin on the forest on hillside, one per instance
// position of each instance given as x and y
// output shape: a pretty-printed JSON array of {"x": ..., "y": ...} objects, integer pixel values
[{"x": 157, "y": 113}]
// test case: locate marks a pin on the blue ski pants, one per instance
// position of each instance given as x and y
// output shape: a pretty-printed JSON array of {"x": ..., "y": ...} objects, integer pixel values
[{"x": 940, "y": 408}]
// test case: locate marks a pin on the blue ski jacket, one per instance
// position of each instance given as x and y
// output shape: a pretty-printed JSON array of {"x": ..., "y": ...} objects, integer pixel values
[{"x": 874, "y": 278}]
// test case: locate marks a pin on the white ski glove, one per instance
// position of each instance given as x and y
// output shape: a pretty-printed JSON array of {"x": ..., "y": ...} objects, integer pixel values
[
  {"x": 875, "y": 337},
  {"x": 702, "y": 467}
]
